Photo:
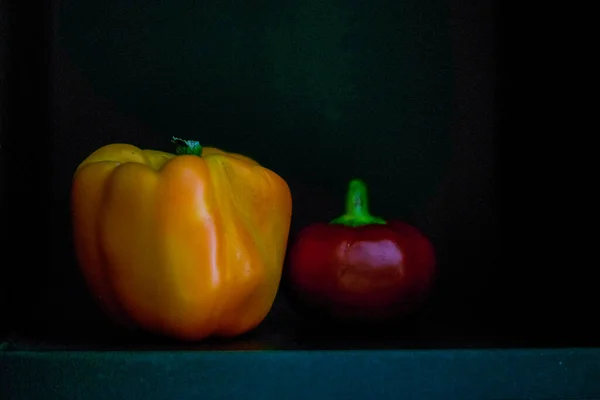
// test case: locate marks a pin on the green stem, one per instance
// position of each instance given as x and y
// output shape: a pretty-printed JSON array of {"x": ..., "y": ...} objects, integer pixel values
[
  {"x": 187, "y": 147},
  {"x": 357, "y": 207}
]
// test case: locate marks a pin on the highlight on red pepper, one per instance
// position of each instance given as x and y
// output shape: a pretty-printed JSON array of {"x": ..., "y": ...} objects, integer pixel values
[{"x": 360, "y": 267}]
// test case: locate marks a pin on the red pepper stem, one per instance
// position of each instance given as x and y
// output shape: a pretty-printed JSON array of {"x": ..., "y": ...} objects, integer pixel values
[
  {"x": 357, "y": 207},
  {"x": 190, "y": 147}
]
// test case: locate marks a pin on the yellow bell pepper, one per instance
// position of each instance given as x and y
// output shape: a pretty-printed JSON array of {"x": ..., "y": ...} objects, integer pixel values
[{"x": 186, "y": 245}]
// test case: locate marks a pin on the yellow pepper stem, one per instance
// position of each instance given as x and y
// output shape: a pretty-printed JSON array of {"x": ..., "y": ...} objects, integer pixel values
[{"x": 191, "y": 147}]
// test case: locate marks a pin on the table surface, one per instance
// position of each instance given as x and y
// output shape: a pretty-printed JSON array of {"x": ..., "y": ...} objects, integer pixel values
[
  {"x": 262, "y": 367},
  {"x": 434, "y": 357}
]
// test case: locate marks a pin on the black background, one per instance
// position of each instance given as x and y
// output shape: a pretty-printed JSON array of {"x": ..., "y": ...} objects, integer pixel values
[{"x": 494, "y": 287}]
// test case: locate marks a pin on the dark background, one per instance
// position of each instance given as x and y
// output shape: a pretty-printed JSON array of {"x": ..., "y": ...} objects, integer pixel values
[{"x": 412, "y": 96}]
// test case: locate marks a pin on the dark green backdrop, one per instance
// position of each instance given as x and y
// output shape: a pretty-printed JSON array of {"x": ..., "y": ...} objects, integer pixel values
[
  {"x": 395, "y": 92},
  {"x": 319, "y": 91}
]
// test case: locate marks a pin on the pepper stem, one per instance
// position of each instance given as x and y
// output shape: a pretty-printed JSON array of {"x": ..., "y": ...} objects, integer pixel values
[
  {"x": 357, "y": 207},
  {"x": 187, "y": 147}
]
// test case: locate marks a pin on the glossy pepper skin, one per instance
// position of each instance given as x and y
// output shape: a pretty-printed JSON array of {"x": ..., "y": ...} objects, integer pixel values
[
  {"x": 360, "y": 268},
  {"x": 186, "y": 245}
]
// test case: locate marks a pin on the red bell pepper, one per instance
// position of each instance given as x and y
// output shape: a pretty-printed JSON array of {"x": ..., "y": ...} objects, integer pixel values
[{"x": 359, "y": 267}]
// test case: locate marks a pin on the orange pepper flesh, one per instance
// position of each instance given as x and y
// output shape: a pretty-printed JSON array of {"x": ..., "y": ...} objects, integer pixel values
[{"x": 181, "y": 245}]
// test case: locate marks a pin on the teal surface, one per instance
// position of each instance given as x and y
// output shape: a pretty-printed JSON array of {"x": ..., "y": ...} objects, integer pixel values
[
  {"x": 434, "y": 374},
  {"x": 319, "y": 91}
]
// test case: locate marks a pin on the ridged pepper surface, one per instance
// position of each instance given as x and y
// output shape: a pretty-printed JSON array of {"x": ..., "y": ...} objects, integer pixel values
[{"x": 186, "y": 245}]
